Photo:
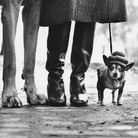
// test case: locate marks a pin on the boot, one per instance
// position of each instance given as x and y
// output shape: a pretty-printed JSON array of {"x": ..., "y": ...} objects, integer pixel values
[
  {"x": 80, "y": 60},
  {"x": 56, "y": 92},
  {"x": 78, "y": 91},
  {"x": 57, "y": 48}
]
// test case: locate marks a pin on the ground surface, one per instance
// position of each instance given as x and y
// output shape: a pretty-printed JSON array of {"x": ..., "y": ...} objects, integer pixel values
[{"x": 90, "y": 121}]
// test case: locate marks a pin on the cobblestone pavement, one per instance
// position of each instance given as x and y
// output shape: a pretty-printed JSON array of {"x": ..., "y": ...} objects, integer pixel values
[{"x": 83, "y": 122}]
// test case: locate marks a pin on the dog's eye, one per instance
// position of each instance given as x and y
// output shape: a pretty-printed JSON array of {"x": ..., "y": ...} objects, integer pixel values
[
  {"x": 111, "y": 68},
  {"x": 120, "y": 70}
]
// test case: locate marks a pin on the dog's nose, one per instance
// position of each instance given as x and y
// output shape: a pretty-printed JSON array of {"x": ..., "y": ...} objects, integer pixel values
[{"x": 115, "y": 75}]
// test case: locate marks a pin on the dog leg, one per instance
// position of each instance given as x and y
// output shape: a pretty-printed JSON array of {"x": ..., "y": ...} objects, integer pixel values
[
  {"x": 98, "y": 89},
  {"x": 31, "y": 15},
  {"x": 102, "y": 97},
  {"x": 10, "y": 14},
  {"x": 113, "y": 97},
  {"x": 119, "y": 103}
]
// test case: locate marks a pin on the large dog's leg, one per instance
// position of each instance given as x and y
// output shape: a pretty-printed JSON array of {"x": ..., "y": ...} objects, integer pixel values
[
  {"x": 31, "y": 15},
  {"x": 10, "y": 14}
]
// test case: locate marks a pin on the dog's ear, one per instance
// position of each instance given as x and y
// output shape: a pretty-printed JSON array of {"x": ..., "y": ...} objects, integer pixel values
[
  {"x": 128, "y": 66},
  {"x": 106, "y": 60}
]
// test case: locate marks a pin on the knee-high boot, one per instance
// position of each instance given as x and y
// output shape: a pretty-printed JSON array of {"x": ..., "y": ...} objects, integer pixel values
[
  {"x": 80, "y": 60},
  {"x": 57, "y": 46}
]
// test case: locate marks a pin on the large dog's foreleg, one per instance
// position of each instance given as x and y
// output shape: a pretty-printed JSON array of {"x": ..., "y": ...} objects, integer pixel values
[
  {"x": 10, "y": 12},
  {"x": 31, "y": 15}
]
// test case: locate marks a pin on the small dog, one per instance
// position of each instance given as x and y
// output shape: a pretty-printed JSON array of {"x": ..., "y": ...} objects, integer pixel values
[{"x": 112, "y": 76}]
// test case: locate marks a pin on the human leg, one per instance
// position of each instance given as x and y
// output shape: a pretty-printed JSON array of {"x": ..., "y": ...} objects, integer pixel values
[
  {"x": 57, "y": 46},
  {"x": 80, "y": 60}
]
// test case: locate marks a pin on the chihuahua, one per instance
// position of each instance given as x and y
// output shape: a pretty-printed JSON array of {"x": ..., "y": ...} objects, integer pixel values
[{"x": 112, "y": 76}]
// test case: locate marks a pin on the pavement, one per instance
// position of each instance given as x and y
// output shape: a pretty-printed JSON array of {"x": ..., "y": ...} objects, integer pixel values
[{"x": 71, "y": 122}]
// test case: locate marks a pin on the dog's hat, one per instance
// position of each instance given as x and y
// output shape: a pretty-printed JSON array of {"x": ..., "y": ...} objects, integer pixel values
[{"x": 118, "y": 58}]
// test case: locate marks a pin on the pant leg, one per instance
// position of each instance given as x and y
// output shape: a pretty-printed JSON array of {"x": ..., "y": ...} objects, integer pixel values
[
  {"x": 57, "y": 44},
  {"x": 82, "y": 48},
  {"x": 80, "y": 60},
  {"x": 57, "y": 47}
]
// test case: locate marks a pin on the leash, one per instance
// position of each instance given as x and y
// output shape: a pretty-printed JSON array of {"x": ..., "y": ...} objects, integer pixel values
[{"x": 110, "y": 32}]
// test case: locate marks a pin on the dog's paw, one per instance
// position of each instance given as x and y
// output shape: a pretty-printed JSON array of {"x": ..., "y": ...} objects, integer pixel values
[
  {"x": 98, "y": 102},
  {"x": 11, "y": 102},
  {"x": 113, "y": 102},
  {"x": 10, "y": 98},
  {"x": 102, "y": 104},
  {"x": 41, "y": 99},
  {"x": 34, "y": 98}
]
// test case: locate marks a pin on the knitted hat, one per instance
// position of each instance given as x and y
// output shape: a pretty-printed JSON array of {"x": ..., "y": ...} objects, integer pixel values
[{"x": 118, "y": 58}]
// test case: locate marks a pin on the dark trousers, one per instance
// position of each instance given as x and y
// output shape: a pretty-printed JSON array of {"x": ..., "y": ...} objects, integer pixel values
[{"x": 82, "y": 47}]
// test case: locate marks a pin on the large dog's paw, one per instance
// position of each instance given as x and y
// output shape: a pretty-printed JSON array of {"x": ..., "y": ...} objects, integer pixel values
[
  {"x": 33, "y": 98},
  {"x": 11, "y": 100},
  {"x": 41, "y": 99}
]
